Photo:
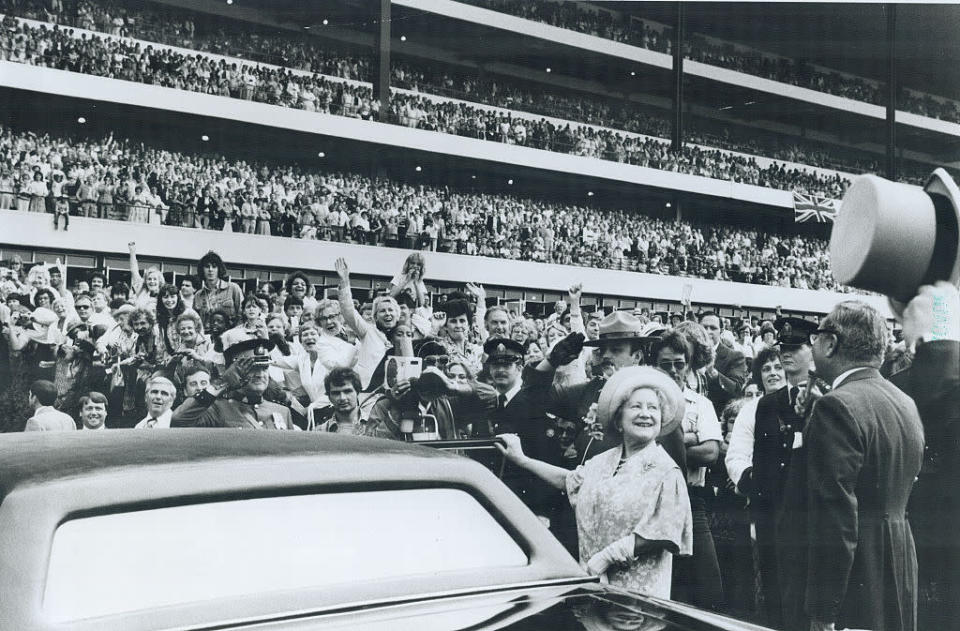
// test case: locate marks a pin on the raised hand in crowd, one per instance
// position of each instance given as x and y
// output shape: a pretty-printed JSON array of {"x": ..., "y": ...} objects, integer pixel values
[
  {"x": 927, "y": 317},
  {"x": 566, "y": 350}
]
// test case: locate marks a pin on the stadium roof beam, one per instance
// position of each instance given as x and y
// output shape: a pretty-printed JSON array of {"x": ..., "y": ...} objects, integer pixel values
[
  {"x": 590, "y": 67},
  {"x": 534, "y": 41}
]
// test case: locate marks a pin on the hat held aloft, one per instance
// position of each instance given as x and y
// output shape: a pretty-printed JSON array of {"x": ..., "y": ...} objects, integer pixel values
[{"x": 892, "y": 238}]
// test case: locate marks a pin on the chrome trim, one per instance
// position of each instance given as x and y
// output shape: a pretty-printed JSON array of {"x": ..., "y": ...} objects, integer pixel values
[{"x": 389, "y": 602}]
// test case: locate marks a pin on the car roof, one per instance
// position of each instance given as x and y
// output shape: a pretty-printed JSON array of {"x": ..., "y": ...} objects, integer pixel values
[
  {"x": 48, "y": 479},
  {"x": 39, "y": 457}
]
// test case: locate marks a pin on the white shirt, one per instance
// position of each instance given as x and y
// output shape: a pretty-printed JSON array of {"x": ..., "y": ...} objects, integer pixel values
[
  {"x": 740, "y": 450},
  {"x": 163, "y": 421},
  {"x": 845, "y": 374},
  {"x": 93, "y": 429},
  {"x": 512, "y": 392},
  {"x": 47, "y": 418},
  {"x": 336, "y": 353},
  {"x": 701, "y": 419},
  {"x": 302, "y": 373}
]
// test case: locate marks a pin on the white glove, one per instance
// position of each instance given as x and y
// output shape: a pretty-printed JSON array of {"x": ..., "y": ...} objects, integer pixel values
[{"x": 620, "y": 552}]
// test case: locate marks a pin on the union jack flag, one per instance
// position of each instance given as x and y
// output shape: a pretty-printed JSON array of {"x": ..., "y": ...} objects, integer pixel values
[{"x": 814, "y": 208}]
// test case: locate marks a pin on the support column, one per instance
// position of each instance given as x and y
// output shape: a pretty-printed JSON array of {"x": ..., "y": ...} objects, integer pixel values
[
  {"x": 891, "y": 12},
  {"x": 381, "y": 58},
  {"x": 676, "y": 137}
]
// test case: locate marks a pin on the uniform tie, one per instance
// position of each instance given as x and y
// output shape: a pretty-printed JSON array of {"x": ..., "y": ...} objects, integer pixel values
[{"x": 795, "y": 393}]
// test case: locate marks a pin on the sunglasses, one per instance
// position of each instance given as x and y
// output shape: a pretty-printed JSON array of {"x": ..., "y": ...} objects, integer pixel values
[
  {"x": 436, "y": 360},
  {"x": 677, "y": 364}
]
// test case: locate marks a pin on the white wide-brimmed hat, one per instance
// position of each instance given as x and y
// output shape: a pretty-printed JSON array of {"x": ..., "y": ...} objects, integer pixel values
[{"x": 627, "y": 380}]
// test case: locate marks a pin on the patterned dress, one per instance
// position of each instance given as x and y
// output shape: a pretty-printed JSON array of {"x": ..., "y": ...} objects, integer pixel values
[{"x": 647, "y": 497}]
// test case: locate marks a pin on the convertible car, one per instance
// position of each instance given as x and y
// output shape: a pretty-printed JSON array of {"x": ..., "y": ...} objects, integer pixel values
[{"x": 224, "y": 529}]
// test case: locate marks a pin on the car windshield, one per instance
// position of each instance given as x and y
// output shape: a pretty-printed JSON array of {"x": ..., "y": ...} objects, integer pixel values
[{"x": 116, "y": 563}]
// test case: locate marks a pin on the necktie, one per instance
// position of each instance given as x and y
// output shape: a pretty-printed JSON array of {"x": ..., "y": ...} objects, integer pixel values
[
  {"x": 501, "y": 402},
  {"x": 151, "y": 422},
  {"x": 794, "y": 393}
]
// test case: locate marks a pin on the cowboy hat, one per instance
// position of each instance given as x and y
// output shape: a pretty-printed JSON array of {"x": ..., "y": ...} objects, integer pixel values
[
  {"x": 617, "y": 326},
  {"x": 892, "y": 238}
]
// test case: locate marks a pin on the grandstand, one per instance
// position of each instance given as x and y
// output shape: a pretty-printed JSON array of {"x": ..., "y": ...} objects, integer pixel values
[{"x": 523, "y": 111}]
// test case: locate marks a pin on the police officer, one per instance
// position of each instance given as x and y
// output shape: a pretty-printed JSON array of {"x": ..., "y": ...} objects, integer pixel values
[
  {"x": 777, "y": 433},
  {"x": 515, "y": 409},
  {"x": 246, "y": 379}
]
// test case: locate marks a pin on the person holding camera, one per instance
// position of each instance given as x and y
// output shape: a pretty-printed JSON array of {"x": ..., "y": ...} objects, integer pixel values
[
  {"x": 420, "y": 406},
  {"x": 246, "y": 379}
]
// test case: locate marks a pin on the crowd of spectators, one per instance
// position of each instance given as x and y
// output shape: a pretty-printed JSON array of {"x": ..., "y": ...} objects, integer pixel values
[
  {"x": 90, "y": 335},
  {"x": 123, "y": 180},
  {"x": 99, "y": 354},
  {"x": 121, "y": 59},
  {"x": 318, "y": 93},
  {"x": 637, "y": 32}
]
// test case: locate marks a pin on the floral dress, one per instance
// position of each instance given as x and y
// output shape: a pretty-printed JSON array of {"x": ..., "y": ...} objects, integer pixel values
[{"x": 646, "y": 497}]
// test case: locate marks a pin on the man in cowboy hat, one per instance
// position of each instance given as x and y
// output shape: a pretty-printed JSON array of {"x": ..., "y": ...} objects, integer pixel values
[{"x": 247, "y": 378}]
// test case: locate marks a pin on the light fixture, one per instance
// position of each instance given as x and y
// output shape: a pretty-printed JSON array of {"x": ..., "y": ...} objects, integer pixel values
[
  {"x": 403, "y": 38},
  {"x": 306, "y": 28},
  {"x": 419, "y": 168},
  {"x": 229, "y": 1},
  {"x": 473, "y": 177},
  {"x": 633, "y": 73},
  {"x": 510, "y": 182},
  {"x": 589, "y": 193},
  {"x": 81, "y": 120},
  {"x": 549, "y": 70},
  {"x": 321, "y": 155},
  {"x": 204, "y": 138},
  {"x": 325, "y": 22},
  {"x": 669, "y": 205}
]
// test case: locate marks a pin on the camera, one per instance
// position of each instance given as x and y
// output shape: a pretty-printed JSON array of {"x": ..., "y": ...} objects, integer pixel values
[{"x": 420, "y": 429}]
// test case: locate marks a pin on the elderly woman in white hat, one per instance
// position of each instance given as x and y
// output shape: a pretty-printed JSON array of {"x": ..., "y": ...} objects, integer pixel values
[{"x": 631, "y": 501}]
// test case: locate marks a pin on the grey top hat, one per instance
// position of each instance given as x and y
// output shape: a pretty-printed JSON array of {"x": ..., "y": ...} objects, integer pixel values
[{"x": 892, "y": 238}]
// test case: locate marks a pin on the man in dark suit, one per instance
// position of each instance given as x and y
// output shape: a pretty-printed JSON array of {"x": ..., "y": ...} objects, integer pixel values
[
  {"x": 846, "y": 552},
  {"x": 931, "y": 325},
  {"x": 725, "y": 378}
]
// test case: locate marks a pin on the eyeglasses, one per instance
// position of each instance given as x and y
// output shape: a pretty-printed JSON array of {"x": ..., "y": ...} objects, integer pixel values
[
  {"x": 326, "y": 318},
  {"x": 436, "y": 360},
  {"x": 677, "y": 364},
  {"x": 818, "y": 332},
  {"x": 78, "y": 307}
]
